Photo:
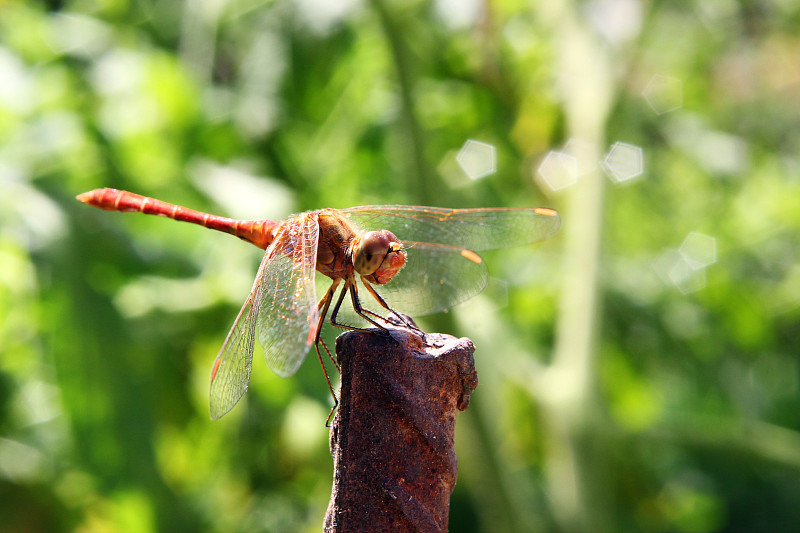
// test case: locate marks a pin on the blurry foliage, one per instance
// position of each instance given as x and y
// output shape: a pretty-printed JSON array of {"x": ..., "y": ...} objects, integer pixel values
[{"x": 109, "y": 322}]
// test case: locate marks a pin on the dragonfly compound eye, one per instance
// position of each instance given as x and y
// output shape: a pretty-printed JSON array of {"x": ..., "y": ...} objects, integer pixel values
[{"x": 370, "y": 252}]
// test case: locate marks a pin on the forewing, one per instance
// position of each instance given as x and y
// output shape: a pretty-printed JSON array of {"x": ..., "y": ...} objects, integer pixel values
[
  {"x": 435, "y": 277},
  {"x": 230, "y": 374},
  {"x": 441, "y": 269},
  {"x": 287, "y": 306},
  {"x": 473, "y": 229}
]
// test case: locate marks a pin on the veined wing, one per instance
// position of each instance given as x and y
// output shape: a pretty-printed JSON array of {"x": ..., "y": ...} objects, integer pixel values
[
  {"x": 230, "y": 374},
  {"x": 442, "y": 269},
  {"x": 473, "y": 229},
  {"x": 287, "y": 312},
  {"x": 434, "y": 278},
  {"x": 283, "y": 304}
]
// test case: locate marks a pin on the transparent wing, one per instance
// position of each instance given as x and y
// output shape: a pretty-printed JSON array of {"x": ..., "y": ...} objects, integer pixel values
[
  {"x": 282, "y": 303},
  {"x": 441, "y": 271},
  {"x": 473, "y": 229},
  {"x": 230, "y": 374},
  {"x": 434, "y": 278},
  {"x": 287, "y": 313}
]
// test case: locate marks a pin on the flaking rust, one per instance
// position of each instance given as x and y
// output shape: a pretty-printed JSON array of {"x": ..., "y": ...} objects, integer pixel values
[{"x": 392, "y": 438}]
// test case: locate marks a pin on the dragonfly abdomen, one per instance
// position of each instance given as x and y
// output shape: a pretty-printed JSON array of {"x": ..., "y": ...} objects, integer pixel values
[{"x": 258, "y": 232}]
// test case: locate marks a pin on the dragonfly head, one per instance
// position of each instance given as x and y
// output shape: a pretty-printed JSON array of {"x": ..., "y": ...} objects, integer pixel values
[{"x": 378, "y": 256}]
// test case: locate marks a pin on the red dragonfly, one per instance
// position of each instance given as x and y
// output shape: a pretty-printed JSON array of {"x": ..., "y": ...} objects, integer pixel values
[{"x": 440, "y": 268}]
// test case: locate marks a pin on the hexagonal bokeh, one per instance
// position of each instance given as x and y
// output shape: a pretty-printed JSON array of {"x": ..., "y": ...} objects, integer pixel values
[
  {"x": 699, "y": 250},
  {"x": 663, "y": 93},
  {"x": 623, "y": 162},
  {"x": 673, "y": 269},
  {"x": 477, "y": 159},
  {"x": 558, "y": 170},
  {"x": 686, "y": 278}
]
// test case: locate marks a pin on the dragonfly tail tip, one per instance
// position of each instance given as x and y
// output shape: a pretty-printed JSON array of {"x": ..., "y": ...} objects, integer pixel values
[{"x": 85, "y": 197}]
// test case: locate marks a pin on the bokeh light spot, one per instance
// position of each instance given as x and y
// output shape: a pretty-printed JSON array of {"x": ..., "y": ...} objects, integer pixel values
[
  {"x": 663, "y": 93},
  {"x": 716, "y": 151},
  {"x": 477, "y": 159},
  {"x": 616, "y": 20},
  {"x": 79, "y": 35},
  {"x": 699, "y": 250},
  {"x": 686, "y": 278},
  {"x": 558, "y": 170},
  {"x": 673, "y": 269},
  {"x": 623, "y": 162},
  {"x": 17, "y": 89},
  {"x": 685, "y": 268},
  {"x": 459, "y": 14}
]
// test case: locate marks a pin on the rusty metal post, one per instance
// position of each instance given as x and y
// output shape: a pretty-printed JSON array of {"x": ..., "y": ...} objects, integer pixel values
[{"x": 392, "y": 438}]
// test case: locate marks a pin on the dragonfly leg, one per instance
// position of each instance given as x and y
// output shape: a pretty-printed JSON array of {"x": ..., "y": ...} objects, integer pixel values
[
  {"x": 326, "y": 300},
  {"x": 383, "y": 304},
  {"x": 323, "y": 306},
  {"x": 350, "y": 286},
  {"x": 336, "y": 307},
  {"x": 333, "y": 410},
  {"x": 327, "y": 379},
  {"x": 364, "y": 313}
]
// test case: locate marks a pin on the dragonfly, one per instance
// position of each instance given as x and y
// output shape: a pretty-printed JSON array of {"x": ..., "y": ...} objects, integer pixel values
[{"x": 434, "y": 267}]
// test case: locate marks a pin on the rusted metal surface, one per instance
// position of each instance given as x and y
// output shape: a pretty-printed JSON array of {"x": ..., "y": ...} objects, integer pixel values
[{"x": 392, "y": 438}]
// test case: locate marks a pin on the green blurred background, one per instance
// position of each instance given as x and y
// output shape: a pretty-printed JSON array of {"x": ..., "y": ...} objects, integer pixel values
[{"x": 639, "y": 371}]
